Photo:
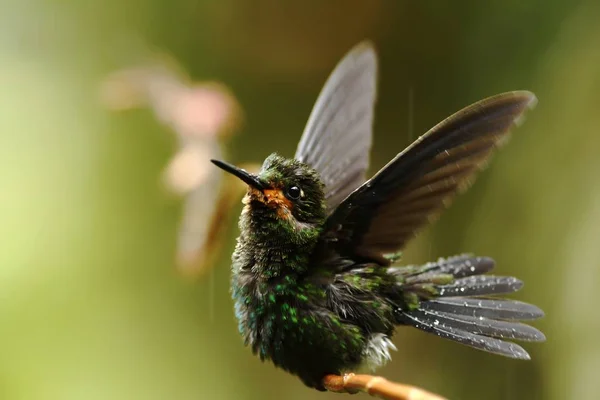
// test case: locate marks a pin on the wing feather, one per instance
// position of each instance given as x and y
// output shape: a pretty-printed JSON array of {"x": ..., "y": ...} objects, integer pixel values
[
  {"x": 337, "y": 138},
  {"x": 388, "y": 210}
]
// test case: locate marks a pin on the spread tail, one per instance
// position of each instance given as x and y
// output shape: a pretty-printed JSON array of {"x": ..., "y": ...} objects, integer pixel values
[{"x": 451, "y": 298}]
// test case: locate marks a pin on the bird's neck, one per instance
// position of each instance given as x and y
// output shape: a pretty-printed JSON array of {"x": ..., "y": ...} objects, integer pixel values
[{"x": 273, "y": 247}]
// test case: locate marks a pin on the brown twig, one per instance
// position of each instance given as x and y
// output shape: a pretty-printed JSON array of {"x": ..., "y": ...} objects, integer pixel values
[{"x": 376, "y": 386}]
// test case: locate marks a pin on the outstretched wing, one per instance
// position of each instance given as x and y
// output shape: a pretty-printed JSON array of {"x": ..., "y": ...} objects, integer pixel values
[
  {"x": 386, "y": 211},
  {"x": 337, "y": 138}
]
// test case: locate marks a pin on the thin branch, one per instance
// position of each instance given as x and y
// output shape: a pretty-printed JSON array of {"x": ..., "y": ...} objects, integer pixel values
[{"x": 376, "y": 386}]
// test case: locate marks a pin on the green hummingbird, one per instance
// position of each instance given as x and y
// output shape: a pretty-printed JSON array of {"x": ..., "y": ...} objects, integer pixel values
[{"x": 314, "y": 277}]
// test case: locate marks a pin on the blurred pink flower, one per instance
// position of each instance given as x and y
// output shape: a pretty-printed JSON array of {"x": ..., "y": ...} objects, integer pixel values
[
  {"x": 201, "y": 116},
  {"x": 205, "y": 109},
  {"x": 189, "y": 122},
  {"x": 187, "y": 170}
]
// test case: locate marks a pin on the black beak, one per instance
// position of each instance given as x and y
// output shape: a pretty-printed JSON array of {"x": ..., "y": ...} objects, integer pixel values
[{"x": 244, "y": 175}]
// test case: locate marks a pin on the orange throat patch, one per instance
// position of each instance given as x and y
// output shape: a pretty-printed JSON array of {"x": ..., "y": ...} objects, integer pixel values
[{"x": 274, "y": 198}]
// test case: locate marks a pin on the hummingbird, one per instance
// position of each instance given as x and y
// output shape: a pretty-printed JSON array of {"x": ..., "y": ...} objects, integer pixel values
[{"x": 315, "y": 277}]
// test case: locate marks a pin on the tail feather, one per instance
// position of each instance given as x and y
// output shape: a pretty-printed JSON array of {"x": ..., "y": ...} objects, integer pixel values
[
  {"x": 483, "y": 326},
  {"x": 458, "y": 266},
  {"x": 446, "y": 298},
  {"x": 489, "y": 344},
  {"x": 484, "y": 308},
  {"x": 482, "y": 285}
]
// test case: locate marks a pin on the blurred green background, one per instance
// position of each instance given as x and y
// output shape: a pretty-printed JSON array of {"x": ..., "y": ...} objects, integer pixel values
[{"x": 91, "y": 306}]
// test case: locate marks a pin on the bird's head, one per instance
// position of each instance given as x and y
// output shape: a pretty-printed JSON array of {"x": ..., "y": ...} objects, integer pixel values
[{"x": 285, "y": 189}]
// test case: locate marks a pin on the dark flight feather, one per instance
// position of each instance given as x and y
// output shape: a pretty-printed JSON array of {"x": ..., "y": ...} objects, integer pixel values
[
  {"x": 482, "y": 285},
  {"x": 337, "y": 139},
  {"x": 458, "y": 266},
  {"x": 386, "y": 211},
  {"x": 485, "y": 308},
  {"x": 445, "y": 310},
  {"x": 428, "y": 324},
  {"x": 483, "y": 326}
]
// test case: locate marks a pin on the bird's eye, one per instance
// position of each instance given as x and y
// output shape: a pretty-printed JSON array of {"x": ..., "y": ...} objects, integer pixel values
[{"x": 293, "y": 192}]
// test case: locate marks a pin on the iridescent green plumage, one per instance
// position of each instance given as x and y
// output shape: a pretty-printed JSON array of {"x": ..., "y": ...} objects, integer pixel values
[{"x": 313, "y": 279}]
